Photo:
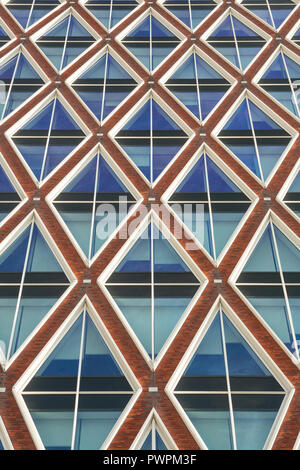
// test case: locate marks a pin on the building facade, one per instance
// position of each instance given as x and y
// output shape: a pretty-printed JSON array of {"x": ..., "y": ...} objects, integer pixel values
[{"x": 149, "y": 251}]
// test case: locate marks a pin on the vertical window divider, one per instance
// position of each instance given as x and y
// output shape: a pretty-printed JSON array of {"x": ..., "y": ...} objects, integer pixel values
[
  {"x": 20, "y": 291},
  {"x": 94, "y": 205},
  {"x": 209, "y": 206},
  {"x": 151, "y": 140},
  {"x": 284, "y": 291},
  {"x": 190, "y": 14},
  {"x": 228, "y": 382},
  {"x": 30, "y": 14},
  {"x": 254, "y": 140},
  {"x": 110, "y": 14},
  {"x": 153, "y": 435},
  {"x": 78, "y": 381},
  {"x": 235, "y": 41},
  {"x": 104, "y": 86},
  {"x": 152, "y": 292},
  {"x": 150, "y": 38},
  {"x": 65, "y": 43},
  {"x": 10, "y": 85},
  {"x": 197, "y": 84},
  {"x": 271, "y": 14},
  {"x": 295, "y": 99},
  {"x": 48, "y": 139}
]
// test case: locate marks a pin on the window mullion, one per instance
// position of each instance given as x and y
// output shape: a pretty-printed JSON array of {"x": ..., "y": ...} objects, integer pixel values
[
  {"x": 284, "y": 290},
  {"x": 48, "y": 139},
  {"x": 228, "y": 381},
  {"x": 65, "y": 43},
  {"x": 290, "y": 83},
  {"x": 20, "y": 291},
  {"x": 94, "y": 206},
  {"x": 78, "y": 380},
  {"x": 104, "y": 87},
  {"x": 190, "y": 14},
  {"x": 151, "y": 140},
  {"x": 236, "y": 43},
  {"x": 152, "y": 292},
  {"x": 254, "y": 139},
  {"x": 150, "y": 37},
  {"x": 30, "y": 13},
  {"x": 271, "y": 14},
  {"x": 209, "y": 207},
  {"x": 110, "y": 14},
  {"x": 197, "y": 84},
  {"x": 10, "y": 85},
  {"x": 153, "y": 435}
]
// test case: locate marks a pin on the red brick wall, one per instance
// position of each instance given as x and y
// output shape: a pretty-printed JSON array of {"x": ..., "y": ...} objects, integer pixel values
[{"x": 9, "y": 409}]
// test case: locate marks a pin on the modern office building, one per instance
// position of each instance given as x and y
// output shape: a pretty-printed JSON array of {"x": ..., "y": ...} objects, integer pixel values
[{"x": 149, "y": 232}]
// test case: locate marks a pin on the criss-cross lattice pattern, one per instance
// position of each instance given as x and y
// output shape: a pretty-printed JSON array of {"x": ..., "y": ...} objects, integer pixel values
[{"x": 165, "y": 103}]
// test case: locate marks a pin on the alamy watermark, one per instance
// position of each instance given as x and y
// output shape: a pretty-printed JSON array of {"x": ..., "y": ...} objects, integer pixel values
[{"x": 109, "y": 216}]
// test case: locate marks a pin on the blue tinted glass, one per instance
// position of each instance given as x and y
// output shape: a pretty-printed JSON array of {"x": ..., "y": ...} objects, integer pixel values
[
  {"x": 38, "y": 247},
  {"x": 13, "y": 258},
  {"x": 252, "y": 427},
  {"x": 263, "y": 258},
  {"x": 138, "y": 257},
  {"x": 242, "y": 360},
  {"x": 97, "y": 360},
  {"x": 27, "y": 14},
  {"x": 55, "y": 427},
  {"x": 288, "y": 253},
  {"x": 280, "y": 15},
  {"x": 295, "y": 186},
  {"x": 148, "y": 442},
  {"x": 1, "y": 445},
  {"x": 64, "y": 359},
  {"x": 213, "y": 426},
  {"x": 209, "y": 357},
  {"x": 92, "y": 428},
  {"x": 5, "y": 184}
]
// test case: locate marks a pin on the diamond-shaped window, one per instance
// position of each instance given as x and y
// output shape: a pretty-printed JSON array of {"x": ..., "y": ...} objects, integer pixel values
[
  {"x": 111, "y": 12},
  {"x": 28, "y": 12},
  {"x": 65, "y": 42},
  {"x": 280, "y": 81},
  {"x": 255, "y": 138},
  {"x": 48, "y": 138},
  {"x": 93, "y": 204},
  {"x": 236, "y": 41},
  {"x": 273, "y": 12},
  {"x": 21, "y": 81},
  {"x": 104, "y": 86},
  {"x": 198, "y": 86},
  {"x": 228, "y": 394},
  {"x": 292, "y": 197},
  {"x": 32, "y": 281},
  {"x": 223, "y": 203},
  {"x": 190, "y": 12},
  {"x": 151, "y": 138},
  {"x": 79, "y": 392},
  {"x": 153, "y": 287},
  {"x": 270, "y": 280},
  {"x": 151, "y": 42},
  {"x": 9, "y": 198}
]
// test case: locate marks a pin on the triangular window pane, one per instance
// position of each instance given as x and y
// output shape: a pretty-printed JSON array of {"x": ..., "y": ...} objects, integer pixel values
[
  {"x": 204, "y": 392},
  {"x": 271, "y": 11},
  {"x": 279, "y": 80},
  {"x": 153, "y": 440},
  {"x": 28, "y": 12},
  {"x": 269, "y": 281},
  {"x": 9, "y": 198},
  {"x": 216, "y": 204},
  {"x": 61, "y": 44},
  {"x": 138, "y": 286},
  {"x": 21, "y": 82},
  {"x": 151, "y": 42},
  {"x": 249, "y": 134},
  {"x": 93, "y": 205},
  {"x": 32, "y": 282},
  {"x": 151, "y": 138},
  {"x": 104, "y": 86},
  {"x": 81, "y": 365},
  {"x": 111, "y": 12},
  {"x": 198, "y": 86},
  {"x": 190, "y": 13},
  {"x": 40, "y": 141},
  {"x": 235, "y": 41}
]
